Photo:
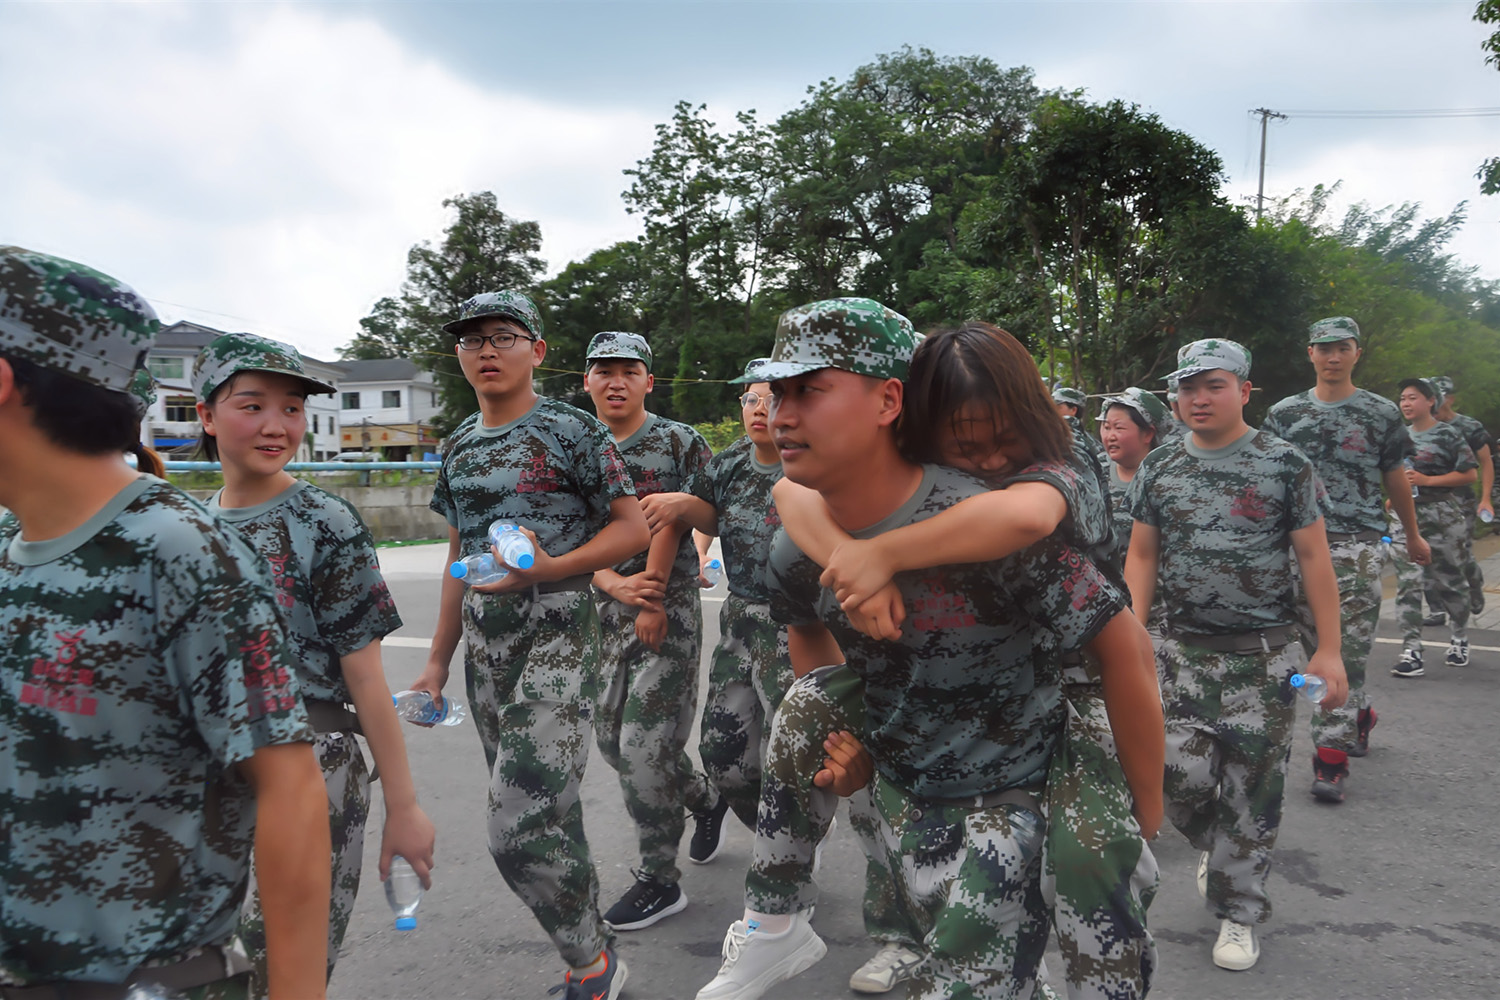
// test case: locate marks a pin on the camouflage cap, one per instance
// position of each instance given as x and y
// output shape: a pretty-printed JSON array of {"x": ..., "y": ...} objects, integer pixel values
[
  {"x": 1207, "y": 355},
  {"x": 1334, "y": 328},
  {"x": 245, "y": 352},
  {"x": 143, "y": 389},
  {"x": 754, "y": 372},
  {"x": 1141, "y": 401},
  {"x": 73, "y": 319},
  {"x": 1426, "y": 386},
  {"x": 503, "y": 305},
  {"x": 1442, "y": 383},
  {"x": 614, "y": 344},
  {"x": 855, "y": 335},
  {"x": 1069, "y": 395}
]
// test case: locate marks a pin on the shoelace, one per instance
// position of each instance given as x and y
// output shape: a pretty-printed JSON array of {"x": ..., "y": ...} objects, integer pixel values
[
  {"x": 733, "y": 942},
  {"x": 647, "y": 891},
  {"x": 1239, "y": 935}
]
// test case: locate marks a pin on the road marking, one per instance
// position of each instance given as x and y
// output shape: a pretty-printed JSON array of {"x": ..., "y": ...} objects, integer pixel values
[
  {"x": 1397, "y": 642},
  {"x": 420, "y": 642}
]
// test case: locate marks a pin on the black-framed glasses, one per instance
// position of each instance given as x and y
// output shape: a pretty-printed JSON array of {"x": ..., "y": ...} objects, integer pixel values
[
  {"x": 502, "y": 341},
  {"x": 753, "y": 399}
]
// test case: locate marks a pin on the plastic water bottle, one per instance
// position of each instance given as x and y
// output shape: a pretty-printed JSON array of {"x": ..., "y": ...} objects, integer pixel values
[
  {"x": 1310, "y": 686},
  {"x": 712, "y": 574},
  {"x": 403, "y": 890},
  {"x": 1415, "y": 490},
  {"x": 478, "y": 570},
  {"x": 418, "y": 707},
  {"x": 1487, "y": 516},
  {"x": 514, "y": 547},
  {"x": 1387, "y": 550}
]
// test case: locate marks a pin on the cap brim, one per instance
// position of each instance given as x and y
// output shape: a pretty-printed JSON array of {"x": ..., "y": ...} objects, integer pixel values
[
  {"x": 1329, "y": 338},
  {"x": 787, "y": 369},
  {"x": 314, "y": 385},
  {"x": 457, "y": 326},
  {"x": 615, "y": 357}
]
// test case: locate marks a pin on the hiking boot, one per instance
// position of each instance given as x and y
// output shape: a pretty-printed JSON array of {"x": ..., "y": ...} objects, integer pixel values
[
  {"x": 1458, "y": 653},
  {"x": 890, "y": 965},
  {"x": 1203, "y": 875},
  {"x": 1365, "y": 722},
  {"x": 709, "y": 832},
  {"x": 1435, "y": 619},
  {"x": 1410, "y": 664},
  {"x": 605, "y": 984},
  {"x": 755, "y": 961},
  {"x": 1236, "y": 948},
  {"x": 646, "y": 902},
  {"x": 1330, "y": 768}
]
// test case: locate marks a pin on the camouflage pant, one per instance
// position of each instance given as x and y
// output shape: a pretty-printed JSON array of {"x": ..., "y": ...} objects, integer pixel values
[
  {"x": 748, "y": 676},
  {"x": 529, "y": 666},
  {"x": 1473, "y": 576},
  {"x": 1358, "y": 566},
  {"x": 347, "y": 779},
  {"x": 643, "y": 716},
  {"x": 794, "y": 814},
  {"x": 1229, "y": 734},
  {"x": 1443, "y": 526},
  {"x": 968, "y": 882},
  {"x": 1098, "y": 874}
]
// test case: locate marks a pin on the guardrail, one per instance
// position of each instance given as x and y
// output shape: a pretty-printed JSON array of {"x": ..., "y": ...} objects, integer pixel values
[{"x": 315, "y": 466}]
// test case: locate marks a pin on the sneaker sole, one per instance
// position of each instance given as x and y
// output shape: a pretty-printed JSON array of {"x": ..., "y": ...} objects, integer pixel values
[
  {"x": 1324, "y": 792},
  {"x": 1408, "y": 673},
  {"x": 1359, "y": 751},
  {"x": 798, "y": 962},
  {"x": 643, "y": 923},
  {"x": 1236, "y": 964}
]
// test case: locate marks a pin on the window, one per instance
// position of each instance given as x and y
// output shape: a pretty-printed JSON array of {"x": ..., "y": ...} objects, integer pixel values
[
  {"x": 390, "y": 399},
  {"x": 181, "y": 409},
  {"x": 165, "y": 367},
  {"x": 315, "y": 423},
  {"x": 351, "y": 400}
]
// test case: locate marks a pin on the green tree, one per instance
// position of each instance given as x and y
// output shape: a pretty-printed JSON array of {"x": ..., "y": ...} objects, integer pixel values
[{"x": 1488, "y": 12}]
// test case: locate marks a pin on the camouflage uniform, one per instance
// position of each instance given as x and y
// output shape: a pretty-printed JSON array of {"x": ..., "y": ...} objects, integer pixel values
[
  {"x": 333, "y": 601},
  {"x": 1476, "y": 437},
  {"x": 646, "y": 701},
  {"x": 1440, "y": 517},
  {"x": 142, "y": 648},
  {"x": 1351, "y": 443},
  {"x": 531, "y": 659},
  {"x": 1226, "y": 517},
  {"x": 750, "y": 670},
  {"x": 961, "y": 715},
  {"x": 1095, "y": 446}
]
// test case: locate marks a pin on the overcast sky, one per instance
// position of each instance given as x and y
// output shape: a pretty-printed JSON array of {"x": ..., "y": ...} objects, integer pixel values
[{"x": 265, "y": 167}]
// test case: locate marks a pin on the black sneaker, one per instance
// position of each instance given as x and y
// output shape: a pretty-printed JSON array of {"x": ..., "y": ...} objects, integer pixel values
[
  {"x": 605, "y": 984},
  {"x": 1365, "y": 722},
  {"x": 709, "y": 833},
  {"x": 1410, "y": 664},
  {"x": 1435, "y": 619},
  {"x": 1458, "y": 653},
  {"x": 1328, "y": 777},
  {"x": 646, "y": 902}
]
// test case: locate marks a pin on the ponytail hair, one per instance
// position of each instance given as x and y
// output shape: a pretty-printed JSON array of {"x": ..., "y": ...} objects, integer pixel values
[{"x": 147, "y": 460}]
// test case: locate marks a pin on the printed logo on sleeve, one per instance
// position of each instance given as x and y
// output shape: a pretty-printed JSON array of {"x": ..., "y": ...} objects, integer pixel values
[
  {"x": 382, "y": 596},
  {"x": 57, "y": 684},
  {"x": 267, "y": 683},
  {"x": 1081, "y": 583}
]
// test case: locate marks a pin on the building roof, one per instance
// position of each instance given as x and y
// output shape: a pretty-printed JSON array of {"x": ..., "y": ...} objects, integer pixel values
[
  {"x": 195, "y": 337},
  {"x": 380, "y": 370}
]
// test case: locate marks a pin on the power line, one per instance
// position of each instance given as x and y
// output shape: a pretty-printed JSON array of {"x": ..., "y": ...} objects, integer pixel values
[{"x": 1391, "y": 113}]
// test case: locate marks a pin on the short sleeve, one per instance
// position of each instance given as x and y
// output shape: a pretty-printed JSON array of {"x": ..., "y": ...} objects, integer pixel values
[
  {"x": 1306, "y": 496},
  {"x": 442, "y": 495},
  {"x": 352, "y": 605},
  {"x": 1138, "y": 498},
  {"x": 1065, "y": 590},
  {"x": 1395, "y": 444},
  {"x": 792, "y": 580},
  {"x": 1466, "y": 459}
]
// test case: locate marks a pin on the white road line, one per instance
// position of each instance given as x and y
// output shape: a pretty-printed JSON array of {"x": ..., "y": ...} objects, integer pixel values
[{"x": 1397, "y": 642}]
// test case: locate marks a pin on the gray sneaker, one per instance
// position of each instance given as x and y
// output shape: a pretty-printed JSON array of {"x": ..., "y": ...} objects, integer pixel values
[
  {"x": 889, "y": 966},
  {"x": 754, "y": 961}
]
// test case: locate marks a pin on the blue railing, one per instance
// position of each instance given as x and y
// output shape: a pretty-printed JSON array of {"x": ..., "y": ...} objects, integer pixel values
[{"x": 173, "y": 466}]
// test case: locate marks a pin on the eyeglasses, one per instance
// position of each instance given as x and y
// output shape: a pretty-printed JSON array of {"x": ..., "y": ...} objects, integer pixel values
[
  {"x": 753, "y": 399},
  {"x": 502, "y": 341}
]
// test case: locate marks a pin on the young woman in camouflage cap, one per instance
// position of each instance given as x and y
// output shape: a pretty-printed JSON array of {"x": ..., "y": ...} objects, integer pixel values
[{"x": 333, "y": 602}]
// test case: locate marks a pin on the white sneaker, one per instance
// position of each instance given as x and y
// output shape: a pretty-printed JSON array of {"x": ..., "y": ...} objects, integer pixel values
[
  {"x": 1203, "y": 875},
  {"x": 1236, "y": 948},
  {"x": 755, "y": 961},
  {"x": 891, "y": 964}
]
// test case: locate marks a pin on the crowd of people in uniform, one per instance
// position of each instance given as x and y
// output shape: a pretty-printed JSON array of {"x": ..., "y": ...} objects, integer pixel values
[{"x": 1011, "y": 644}]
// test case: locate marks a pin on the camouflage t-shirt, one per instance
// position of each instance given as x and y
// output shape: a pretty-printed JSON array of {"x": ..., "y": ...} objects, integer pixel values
[
  {"x": 663, "y": 456},
  {"x": 1226, "y": 516},
  {"x": 1351, "y": 442},
  {"x": 329, "y": 590},
  {"x": 968, "y": 700},
  {"x": 554, "y": 470},
  {"x": 140, "y": 658},
  {"x": 1438, "y": 450},
  {"x": 738, "y": 485},
  {"x": 1119, "y": 506},
  {"x": 1090, "y": 441},
  {"x": 1081, "y": 481},
  {"x": 1473, "y": 431}
]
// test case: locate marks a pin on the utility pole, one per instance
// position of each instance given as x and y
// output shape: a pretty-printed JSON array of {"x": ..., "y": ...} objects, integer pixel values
[{"x": 1260, "y": 193}]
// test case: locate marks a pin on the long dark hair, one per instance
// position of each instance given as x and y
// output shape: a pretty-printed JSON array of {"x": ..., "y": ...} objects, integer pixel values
[{"x": 982, "y": 364}]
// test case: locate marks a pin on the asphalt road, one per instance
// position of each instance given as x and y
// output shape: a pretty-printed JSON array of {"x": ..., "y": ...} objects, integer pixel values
[{"x": 1392, "y": 894}]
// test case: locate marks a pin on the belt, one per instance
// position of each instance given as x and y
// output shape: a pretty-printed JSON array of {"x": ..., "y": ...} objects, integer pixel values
[
  {"x": 1259, "y": 641},
  {"x": 210, "y": 966},
  {"x": 989, "y": 800},
  {"x": 580, "y": 582},
  {"x": 331, "y": 716},
  {"x": 1432, "y": 494},
  {"x": 1355, "y": 536}
]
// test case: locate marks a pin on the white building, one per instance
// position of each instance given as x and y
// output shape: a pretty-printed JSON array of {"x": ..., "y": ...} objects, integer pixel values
[
  {"x": 171, "y": 425},
  {"x": 388, "y": 405}
]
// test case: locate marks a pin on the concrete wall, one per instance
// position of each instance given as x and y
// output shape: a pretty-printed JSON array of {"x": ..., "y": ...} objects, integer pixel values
[{"x": 394, "y": 513}]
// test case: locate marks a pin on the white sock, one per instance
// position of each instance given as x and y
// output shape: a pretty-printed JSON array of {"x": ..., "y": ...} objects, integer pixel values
[
  {"x": 768, "y": 923},
  {"x": 597, "y": 965}
]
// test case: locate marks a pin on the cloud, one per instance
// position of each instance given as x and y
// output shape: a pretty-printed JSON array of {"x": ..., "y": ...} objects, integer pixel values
[{"x": 268, "y": 169}]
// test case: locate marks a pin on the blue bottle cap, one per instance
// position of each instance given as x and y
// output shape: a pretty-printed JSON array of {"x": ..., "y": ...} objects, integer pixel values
[
  {"x": 1386, "y": 539},
  {"x": 1297, "y": 680},
  {"x": 525, "y": 560},
  {"x": 406, "y": 923},
  {"x": 458, "y": 570},
  {"x": 714, "y": 564}
]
